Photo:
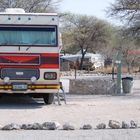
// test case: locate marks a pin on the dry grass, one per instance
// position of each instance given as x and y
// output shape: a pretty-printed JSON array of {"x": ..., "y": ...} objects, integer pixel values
[{"x": 108, "y": 70}]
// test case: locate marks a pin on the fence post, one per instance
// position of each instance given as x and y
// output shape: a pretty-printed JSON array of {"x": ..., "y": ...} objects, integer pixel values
[{"x": 118, "y": 62}]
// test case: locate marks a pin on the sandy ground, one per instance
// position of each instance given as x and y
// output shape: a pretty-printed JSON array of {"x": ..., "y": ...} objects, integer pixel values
[
  {"x": 78, "y": 111},
  {"x": 72, "y": 135}
]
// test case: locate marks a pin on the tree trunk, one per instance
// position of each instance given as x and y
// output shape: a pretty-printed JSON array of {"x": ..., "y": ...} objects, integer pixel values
[
  {"x": 83, "y": 52},
  {"x": 139, "y": 69},
  {"x": 113, "y": 72},
  {"x": 128, "y": 68},
  {"x": 82, "y": 60}
]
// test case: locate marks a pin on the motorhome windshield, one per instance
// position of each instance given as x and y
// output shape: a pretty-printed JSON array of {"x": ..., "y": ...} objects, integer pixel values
[{"x": 28, "y": 36}]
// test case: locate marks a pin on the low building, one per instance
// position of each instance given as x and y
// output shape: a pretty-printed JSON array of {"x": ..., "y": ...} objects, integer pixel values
[{"x": 91, "y": 61}]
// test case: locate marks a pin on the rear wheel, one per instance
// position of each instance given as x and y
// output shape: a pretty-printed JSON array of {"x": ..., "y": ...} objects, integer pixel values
[{"x": 48, "y": 98}]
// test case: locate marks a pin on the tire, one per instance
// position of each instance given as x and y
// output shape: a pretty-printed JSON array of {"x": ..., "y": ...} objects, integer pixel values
[{"x": 48, "y": 98}]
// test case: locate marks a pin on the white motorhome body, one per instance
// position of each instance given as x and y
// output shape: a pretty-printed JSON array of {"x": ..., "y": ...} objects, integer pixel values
[{"x": 29, "y": 53}]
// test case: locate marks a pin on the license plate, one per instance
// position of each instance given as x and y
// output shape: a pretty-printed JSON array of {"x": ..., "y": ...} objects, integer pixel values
[{"x": 19, "y": 87}]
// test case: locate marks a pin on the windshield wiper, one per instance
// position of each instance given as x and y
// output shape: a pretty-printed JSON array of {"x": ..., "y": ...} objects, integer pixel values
[{"x": 32, "y": 45}]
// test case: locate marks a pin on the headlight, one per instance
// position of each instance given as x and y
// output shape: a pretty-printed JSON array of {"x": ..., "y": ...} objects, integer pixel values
[
  {"x": 6, "y": 80},
  {"x": 33, "y": 79},
  {"x": 50, "y": 75}
]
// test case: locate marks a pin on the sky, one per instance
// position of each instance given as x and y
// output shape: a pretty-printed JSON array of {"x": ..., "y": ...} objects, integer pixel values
[{"x": 89, "y": 7}]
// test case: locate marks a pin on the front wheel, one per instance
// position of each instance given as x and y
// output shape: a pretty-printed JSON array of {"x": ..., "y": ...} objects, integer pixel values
[{"x": 48, "y": 98}]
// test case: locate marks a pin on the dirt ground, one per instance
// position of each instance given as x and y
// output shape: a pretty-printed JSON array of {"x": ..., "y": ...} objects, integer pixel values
[
  {"x": 80, "y": 109},
  {"x": 130, "y": 134}
]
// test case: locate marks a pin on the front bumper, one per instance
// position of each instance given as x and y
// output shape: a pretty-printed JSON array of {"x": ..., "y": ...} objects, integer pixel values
[{"x": 38, "y": 88}]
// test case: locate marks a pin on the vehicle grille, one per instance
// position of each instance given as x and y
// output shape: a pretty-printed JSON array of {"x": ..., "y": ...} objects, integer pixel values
[{"x": 19, "y": 73}]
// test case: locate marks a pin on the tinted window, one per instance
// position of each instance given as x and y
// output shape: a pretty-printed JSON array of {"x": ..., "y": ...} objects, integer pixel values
[{"x": 28, "y": 36}]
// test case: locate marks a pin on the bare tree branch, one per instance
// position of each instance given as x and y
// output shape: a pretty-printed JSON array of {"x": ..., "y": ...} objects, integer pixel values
[
  {"x": 125, "y": 9},
  {"x": 31, "y": 5}
]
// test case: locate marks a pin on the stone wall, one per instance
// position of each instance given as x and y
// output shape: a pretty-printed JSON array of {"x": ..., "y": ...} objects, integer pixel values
[{"x": 92, "y": 86}]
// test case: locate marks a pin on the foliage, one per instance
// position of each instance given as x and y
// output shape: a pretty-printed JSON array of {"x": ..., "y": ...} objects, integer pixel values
[
  {"x": 30, "y": 5},
  {"x": 128, "y": 11},
  {"x": 126, "y": 45},
  {"x": 84, "y": 33}
]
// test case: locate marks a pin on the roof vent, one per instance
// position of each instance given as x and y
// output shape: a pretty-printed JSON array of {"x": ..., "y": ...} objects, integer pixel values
[{"x": 14, "y": 10}]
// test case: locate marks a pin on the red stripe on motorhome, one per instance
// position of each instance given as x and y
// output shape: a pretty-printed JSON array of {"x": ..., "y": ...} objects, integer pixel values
[
  {"x": 50, "y": 54},
  {"x": 42, "y": 54},
  {"x": 22, "y": 60},
  {"x": 41, "y": 66}
]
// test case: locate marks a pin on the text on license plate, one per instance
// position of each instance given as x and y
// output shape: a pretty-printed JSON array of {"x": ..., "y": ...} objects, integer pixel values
[{"x": 20, "y": 87}]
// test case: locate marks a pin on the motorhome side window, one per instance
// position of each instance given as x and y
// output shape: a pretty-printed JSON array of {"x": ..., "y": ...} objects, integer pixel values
[{"x": 28, "y": 36}]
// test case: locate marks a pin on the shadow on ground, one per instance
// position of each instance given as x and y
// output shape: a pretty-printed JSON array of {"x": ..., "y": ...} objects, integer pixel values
[{"x": 24, "y": 102}]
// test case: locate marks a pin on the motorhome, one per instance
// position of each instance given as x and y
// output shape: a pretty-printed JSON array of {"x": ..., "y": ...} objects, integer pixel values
[{"x": 29, "y": 53}]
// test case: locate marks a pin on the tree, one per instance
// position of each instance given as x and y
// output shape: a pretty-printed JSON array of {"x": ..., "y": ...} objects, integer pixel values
[
  {"x": 128, "y": 47},
  {"x": 31, "y": 5},
  {"x": 128, "y": 11},
  {"x": 84, "y": 32},
  {"x": 129, "y": 59},
  {"x": 110, "y": 50}
]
